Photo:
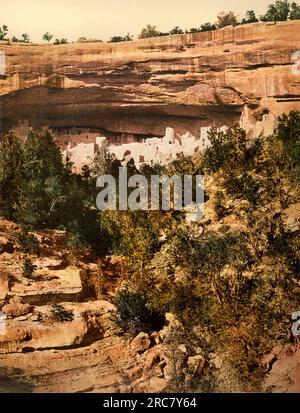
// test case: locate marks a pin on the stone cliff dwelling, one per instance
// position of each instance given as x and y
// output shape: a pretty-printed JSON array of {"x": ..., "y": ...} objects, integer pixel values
[
  {"x": 161, "y": 150},
  {"x": 148, "y": 151}
]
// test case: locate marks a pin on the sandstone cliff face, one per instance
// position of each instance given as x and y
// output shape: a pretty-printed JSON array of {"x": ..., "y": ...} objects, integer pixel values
[{"x": 183, "y": 81}]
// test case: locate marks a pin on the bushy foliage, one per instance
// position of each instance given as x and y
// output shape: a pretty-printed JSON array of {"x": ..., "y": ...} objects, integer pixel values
[
  {"x": 288, "y": 132},
  {"x": 149, "y": 31},
  {"x": 84, "y": 39},
  {"x": 249, "y": 171},
  {"x": 47, "y": 37},
  {"x": 250, "y": 17},
  {"x": 132, "y": 313},
  {"x": 11, "y": 167},
  {"x": 295, "y": 11},
  {"x": 42, "y": 187},
  {"x": 60, "y": 313},
  {"x": 176, "y": 30},
  {"x": 278, "y": 11},
  {"x": 28, "y": 242},
  {"x": 25, "y": 37},
  {"x": 131, "y": 233},
  {"x": 37, "y": 190},
  {"x": 28, "y": 269},
  {"x": 233, "y": 287},
  {"x": 116, "y": 39},
  {"x": 226, "y": 149},
  {"x": 227, "y": 19},
  {"x": 207, "y": 27},
  {"x": 3, "y": 32},
  {"x": 63, "y": 40}
]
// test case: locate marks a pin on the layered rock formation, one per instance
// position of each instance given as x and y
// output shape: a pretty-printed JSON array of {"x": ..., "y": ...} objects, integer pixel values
[
  {"x": 57, "y": 333},
  {"x": 141, "y": 87}
]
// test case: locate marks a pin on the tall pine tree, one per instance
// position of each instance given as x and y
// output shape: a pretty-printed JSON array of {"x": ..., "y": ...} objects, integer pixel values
[{"x": 43, "y": 189}]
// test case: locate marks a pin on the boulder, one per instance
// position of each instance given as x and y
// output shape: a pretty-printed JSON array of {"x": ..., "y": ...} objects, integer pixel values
[
  {"x": 182, "y": 348},
  {"x": 13, "y": 310},
  {"x": 140, "y": 343},
  {"x": 152, "y": 358},
  {"x": 90, "y": 323},
  {"x": 292, "y": 218},
  {"x": 284, "y": 376},
  {"x": 217, "y": 361},
  {"x": 48, "y": 263},
  {"x": 51, "y": 286},
  {"x": 4, "y": 288},
  {"x": 173, "y": 325},
  {"x": 157, "y": 385},
  {"x": 5, "y": 245},
  {"x": 196, "y": 364}
]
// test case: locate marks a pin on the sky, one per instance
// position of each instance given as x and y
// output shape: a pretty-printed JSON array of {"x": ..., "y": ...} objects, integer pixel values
[{"x": 102, "y": 19}]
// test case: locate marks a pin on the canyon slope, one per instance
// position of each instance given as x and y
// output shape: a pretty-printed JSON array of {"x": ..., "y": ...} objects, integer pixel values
[
  {"x": 58, "y": 334},
  {"x": 141, "y": 87}
]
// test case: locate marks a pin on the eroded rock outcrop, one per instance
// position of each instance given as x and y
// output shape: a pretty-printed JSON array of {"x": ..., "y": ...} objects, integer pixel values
[
  {"x": 49, "y": 344},
  {"x": 284, "y": 366},
  {"x": 184, "y": 81}
]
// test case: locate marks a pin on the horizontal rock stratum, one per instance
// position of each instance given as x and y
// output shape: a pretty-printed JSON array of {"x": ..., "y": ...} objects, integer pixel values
[{"x": 141, "y": 87}]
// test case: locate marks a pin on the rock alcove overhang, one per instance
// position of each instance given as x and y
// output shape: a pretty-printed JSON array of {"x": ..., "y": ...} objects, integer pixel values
[
  {"x": 67, "y": 108},
  {"x": 182, "y": 81}
]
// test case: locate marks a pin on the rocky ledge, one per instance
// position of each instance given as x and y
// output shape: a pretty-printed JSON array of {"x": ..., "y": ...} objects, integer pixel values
[{"x": 141, "y": 87}]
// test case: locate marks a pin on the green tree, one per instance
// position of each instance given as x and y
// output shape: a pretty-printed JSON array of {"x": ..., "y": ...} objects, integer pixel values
[
  {"x": 28, "y": 242},
  {"x": 3, "y": 32},
  {"x": 47, "y": 37},
  {"x": 295, "y": 11},
  {"x": 227, "y": 19},
  {"x": 250, "y": 17},
  {"x": 128, "y": 37},
  {"x": 288, "y": 132},
  {"x": 60, "y": 41},
  {"x": 207, "y": 27},
  {"x": 176, "y": 30},
  {"x": 26, "y": 38},
  {"x": 43, "y": 188},
  {"x": 227, "y": 150},
  {"x": 11, "y": 164},
  {"x": 149, "y": 31},
  {"x": 278, "y": 11},
  {"x": 82, "y": 39},
  {"x": 116, "y": 39}
]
